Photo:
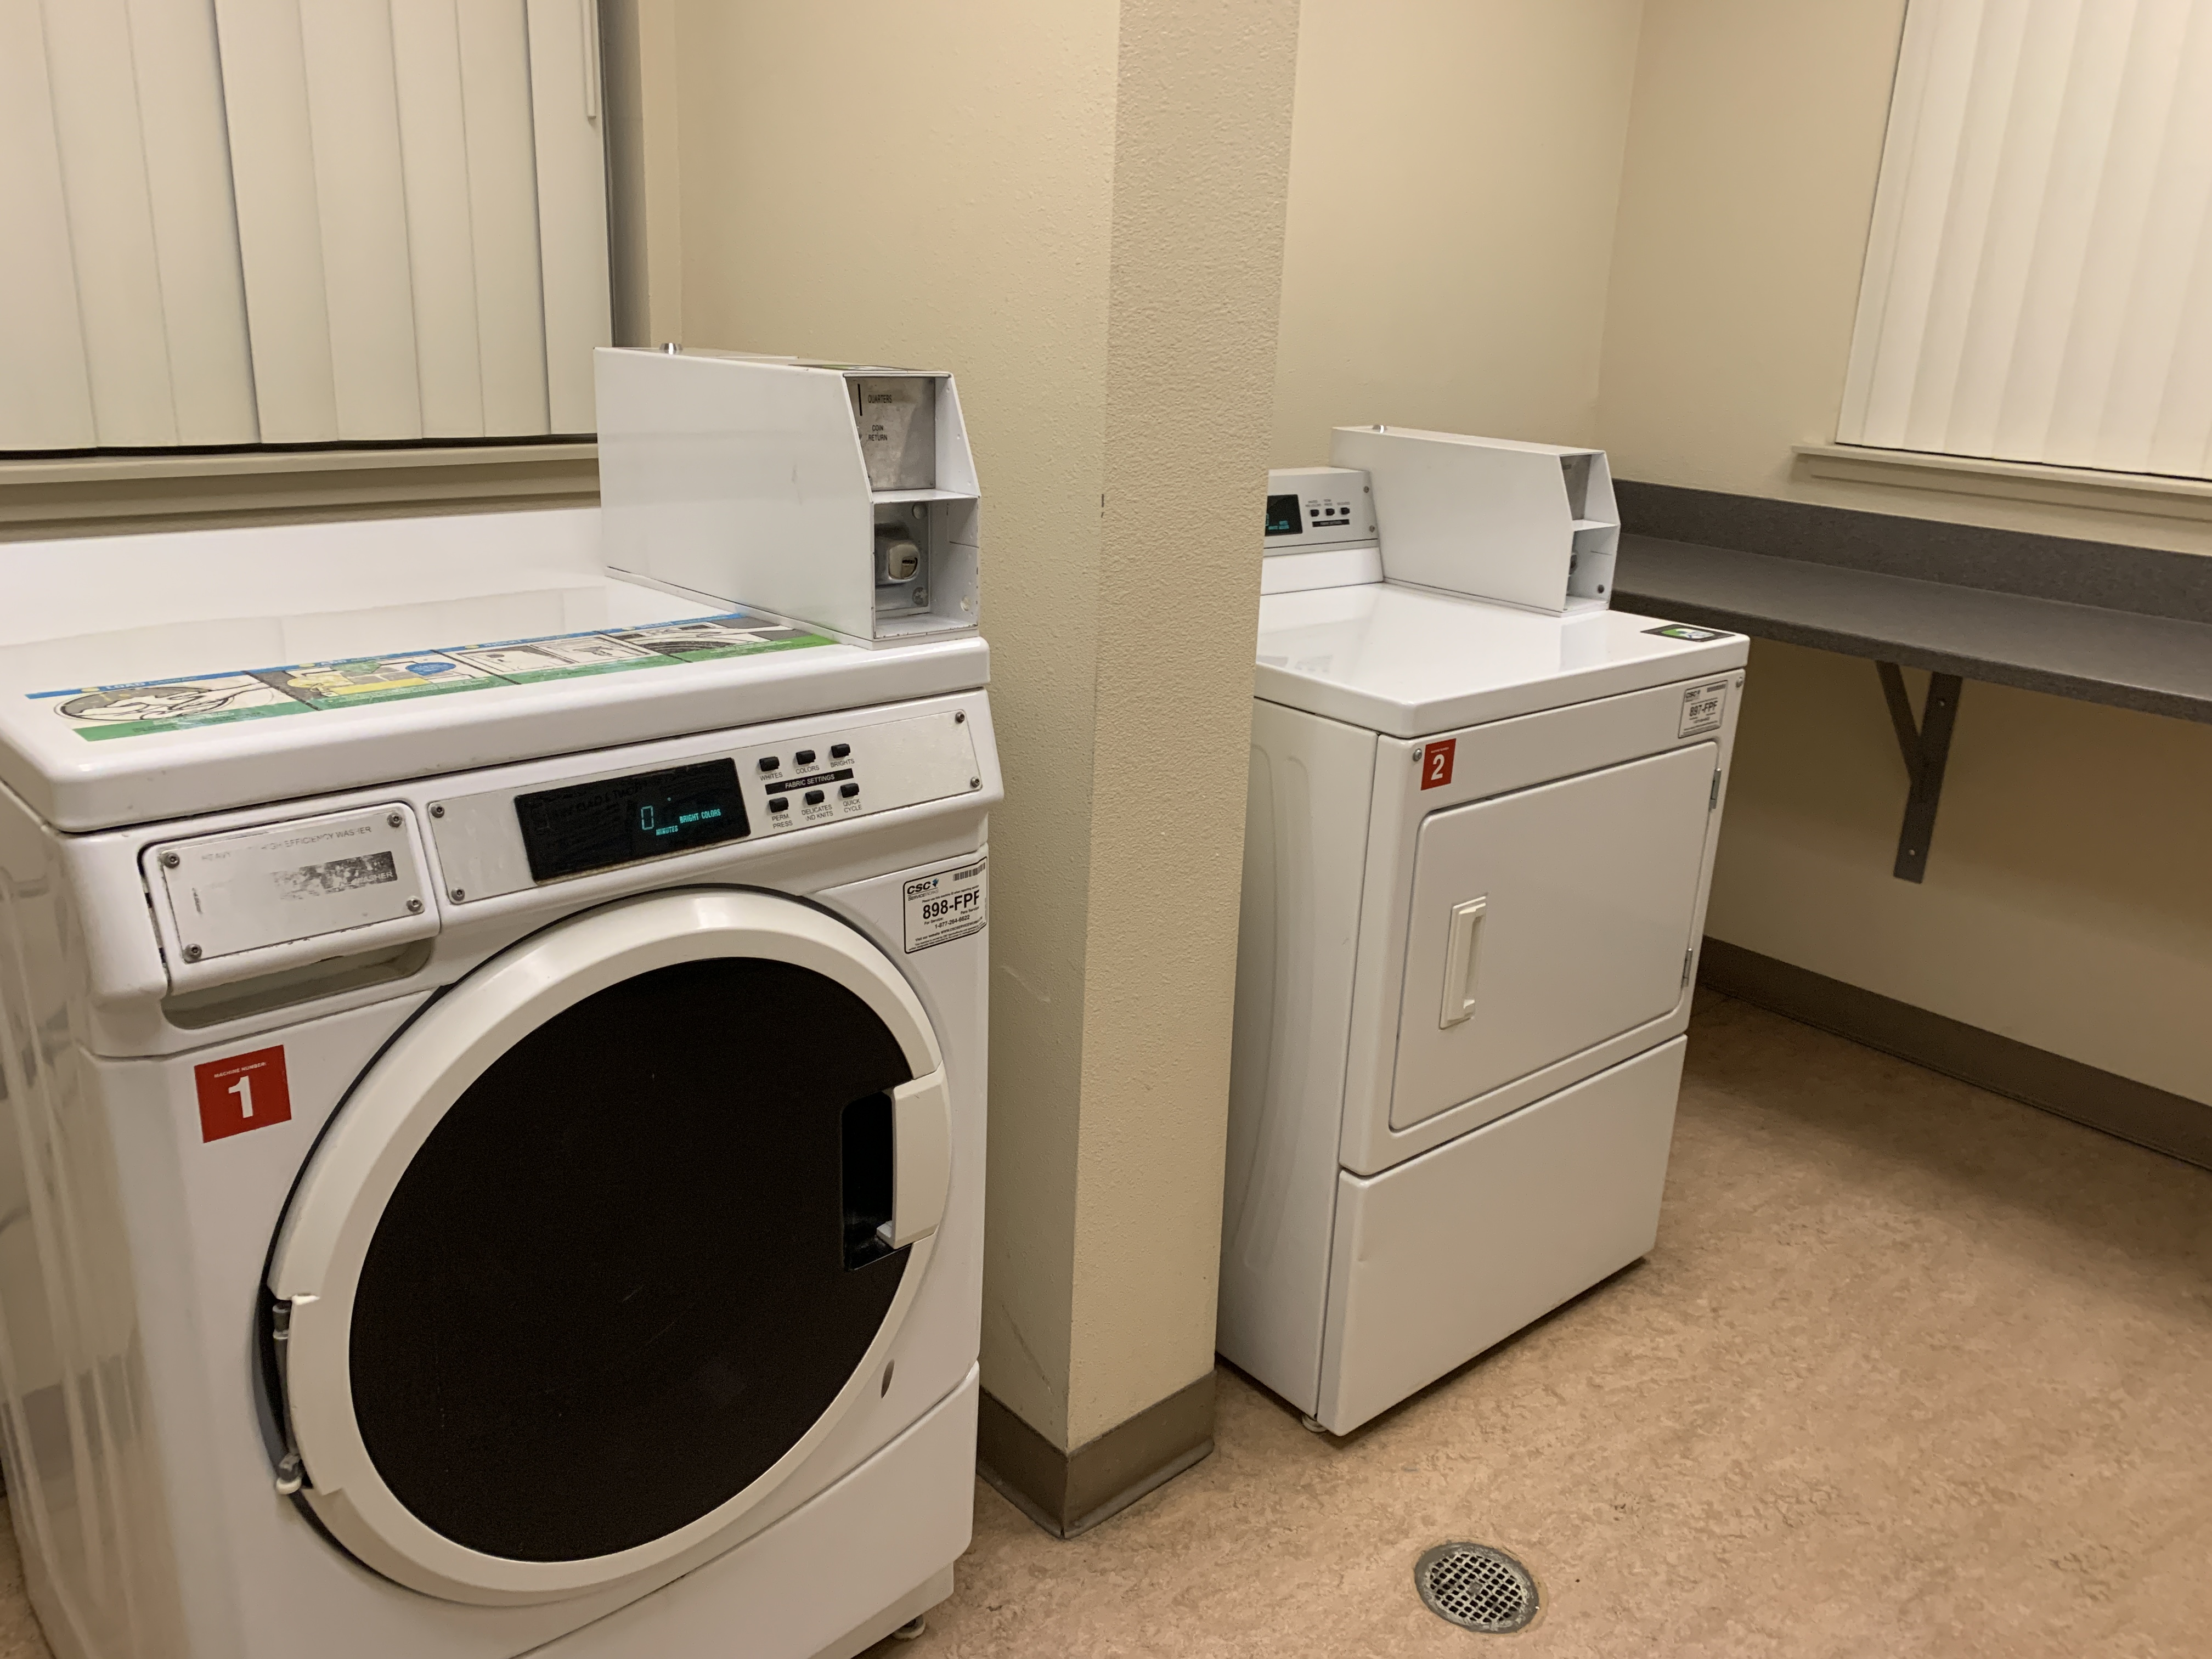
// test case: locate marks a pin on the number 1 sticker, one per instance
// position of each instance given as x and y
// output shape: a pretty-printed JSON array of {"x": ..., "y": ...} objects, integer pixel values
[{"x": 245, "y": 1091}]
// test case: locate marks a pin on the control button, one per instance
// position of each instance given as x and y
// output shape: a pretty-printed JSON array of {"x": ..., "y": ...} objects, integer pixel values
[
  {"x": 769, "y": 762},
  {"x": 814, "y": 798},
  {"x": 778, "y": 804},
  {"x": 840, "y": 750},
  {"x": 848, "y": 790},
  {"x": 803, "y": 757}
]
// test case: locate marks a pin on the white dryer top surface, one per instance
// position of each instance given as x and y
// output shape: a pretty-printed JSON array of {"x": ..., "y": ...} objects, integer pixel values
[
  {"x": 139, "y": 674},
  {"x": 1408, "y": 662}
]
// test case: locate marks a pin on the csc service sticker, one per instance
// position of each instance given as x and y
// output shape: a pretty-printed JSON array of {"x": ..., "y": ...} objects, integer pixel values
[{"x": 949, "y": 905}]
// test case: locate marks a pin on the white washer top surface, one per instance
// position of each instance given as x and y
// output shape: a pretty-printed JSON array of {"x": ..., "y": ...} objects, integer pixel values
[
  {"x": 1407, "y": 661},
  {"x": 151, "y": 676}
]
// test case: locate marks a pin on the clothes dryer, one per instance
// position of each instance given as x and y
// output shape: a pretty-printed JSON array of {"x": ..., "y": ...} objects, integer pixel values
[
  {"x": 1477, "y": 847},
  {"x": 493, "y": 1134}
]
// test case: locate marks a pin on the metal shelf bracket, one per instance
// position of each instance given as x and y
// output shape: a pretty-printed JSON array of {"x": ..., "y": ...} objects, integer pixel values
[{"x": 1926, "y": 745}]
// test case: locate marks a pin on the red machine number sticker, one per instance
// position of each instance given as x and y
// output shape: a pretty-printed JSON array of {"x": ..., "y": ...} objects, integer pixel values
[
  {"x": 1437, "y": 763},
  {"x": 246, "y": 1091}
]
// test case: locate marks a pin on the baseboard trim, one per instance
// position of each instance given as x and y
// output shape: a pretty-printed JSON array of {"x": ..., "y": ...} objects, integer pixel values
[
  {"x": 2170, "y": 1123},
  {"x": 1070, "y": 1492}
]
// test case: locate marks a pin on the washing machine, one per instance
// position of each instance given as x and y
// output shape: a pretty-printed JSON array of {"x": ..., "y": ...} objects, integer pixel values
[
  {"x": 1479, "y": 840},
  {"x": 492, "y": 1145}
]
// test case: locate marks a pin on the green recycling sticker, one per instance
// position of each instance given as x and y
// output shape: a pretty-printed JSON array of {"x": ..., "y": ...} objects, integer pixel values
[{"x": 99, "y": 712}]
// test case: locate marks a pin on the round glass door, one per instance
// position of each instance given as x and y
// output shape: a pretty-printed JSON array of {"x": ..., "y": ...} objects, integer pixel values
[{"x": 611, "y": 1289}]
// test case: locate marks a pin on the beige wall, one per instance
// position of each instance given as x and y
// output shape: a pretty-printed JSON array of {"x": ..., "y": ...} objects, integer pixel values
[
  {"x": 1076, "y": 209},
  {"x": 2068, "y": 898},
  {"x": 1455, "y": 165}
]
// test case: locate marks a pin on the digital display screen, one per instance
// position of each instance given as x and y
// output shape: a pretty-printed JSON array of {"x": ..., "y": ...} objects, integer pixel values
[
  {"x": 591, "y": 826},
  {"x": 1282, "y": 515}
]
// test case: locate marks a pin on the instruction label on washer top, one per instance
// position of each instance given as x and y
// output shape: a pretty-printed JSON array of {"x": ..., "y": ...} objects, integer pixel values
[
  {"x": 99, "y": 713},
  {"x": 949, "y": 905},
  {"x": 1702, "y": 708}
]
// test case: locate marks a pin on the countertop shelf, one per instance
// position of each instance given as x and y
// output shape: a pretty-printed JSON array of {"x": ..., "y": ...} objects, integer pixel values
[
  {"x": 2160, "y": 664},
  {"x": 2094, "y": 621}
]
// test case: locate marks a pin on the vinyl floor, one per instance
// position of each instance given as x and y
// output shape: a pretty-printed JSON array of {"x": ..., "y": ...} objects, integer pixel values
[{"x": 1913, "y": 1370}]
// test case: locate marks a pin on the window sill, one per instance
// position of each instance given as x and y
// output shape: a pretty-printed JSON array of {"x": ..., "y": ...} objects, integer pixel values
[
  {"x": 2019, "y": 481},
  {"x": 108, "y": 494}
]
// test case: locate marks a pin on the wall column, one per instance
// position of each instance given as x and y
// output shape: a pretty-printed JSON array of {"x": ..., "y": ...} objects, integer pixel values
[{"x": 1079, "y": 209}]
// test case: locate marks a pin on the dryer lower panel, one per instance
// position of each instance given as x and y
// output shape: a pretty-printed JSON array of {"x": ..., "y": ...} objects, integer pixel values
[{"x": 1450, "y": 1253}]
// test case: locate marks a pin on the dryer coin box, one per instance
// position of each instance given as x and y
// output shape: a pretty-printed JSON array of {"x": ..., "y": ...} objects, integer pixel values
[
  {"x": 1531, "y": 525},
  {"x": 839, "y": 497}
]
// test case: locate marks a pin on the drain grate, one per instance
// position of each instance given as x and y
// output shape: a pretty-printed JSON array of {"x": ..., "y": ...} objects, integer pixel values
[{"x": 1476, "y": 1588}]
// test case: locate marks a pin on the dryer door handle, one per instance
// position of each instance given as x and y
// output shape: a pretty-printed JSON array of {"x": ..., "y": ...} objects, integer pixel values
[
  {"x": 922, "y": 1157},
  {"x": 1460, "y": 938}
]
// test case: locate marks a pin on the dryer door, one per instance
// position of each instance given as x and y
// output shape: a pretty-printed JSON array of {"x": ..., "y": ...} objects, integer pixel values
[
  {"x": 603, "y": 1244},
  {"x": 1545, "y": 922}
]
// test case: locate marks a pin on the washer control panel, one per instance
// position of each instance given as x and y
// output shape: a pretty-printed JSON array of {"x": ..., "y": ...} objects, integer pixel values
[
  {"x": 810, "y": 784},
  {"x": 504, "y": 841}
]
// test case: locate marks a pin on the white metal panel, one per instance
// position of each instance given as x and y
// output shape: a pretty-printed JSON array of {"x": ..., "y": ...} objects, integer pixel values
[
  {"x": 1454, "y": 1251},
  {"x": 1588, "y": 890},
  {"x": 264, "y": 84},
  {"x": 285, "y": 895},
  {"x": 46, "y": 393},
  {"x": 1337, "y": 567},
  {"x": 690, "y": 495},
  {"x": 1305, "y": 844},
  {"x": 906, "y": 1515},
  {"x": 440, "y": 234},
  {"x": 170, "y": 1462},
  {"x": 1492, "y": 760},
  {"x": 195, "y": 221},
  {"x": 905, "y": 762},
  {"x": 354, "y": 116},
  {"x": 1400, "y": 660},
  {"x": 503, "y": 177},
  {"x": 572, "y": 202},
  {"x": 2039, "y": 278},
  {"x": 1427, "y": 486},
  {"x": 168, "y": 594}
]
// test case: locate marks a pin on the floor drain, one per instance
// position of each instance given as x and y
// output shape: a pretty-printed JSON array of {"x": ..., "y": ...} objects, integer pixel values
[{"x": 1476, "y": 1588}]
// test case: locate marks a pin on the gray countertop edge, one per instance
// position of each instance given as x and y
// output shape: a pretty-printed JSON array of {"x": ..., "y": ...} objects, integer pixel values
[{"x": 1791, "y": 618}]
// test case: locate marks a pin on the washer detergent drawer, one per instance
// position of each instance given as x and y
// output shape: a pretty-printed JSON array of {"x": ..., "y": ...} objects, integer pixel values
[
  {"x": 1547, "y": 921},
  {"x": 1452, "y": 1252}
]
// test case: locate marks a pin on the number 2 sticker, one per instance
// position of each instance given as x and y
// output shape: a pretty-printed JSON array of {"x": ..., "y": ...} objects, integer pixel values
[
  {"x": 245, "y": 1091},
  {"x": 1436, "y": 763}
]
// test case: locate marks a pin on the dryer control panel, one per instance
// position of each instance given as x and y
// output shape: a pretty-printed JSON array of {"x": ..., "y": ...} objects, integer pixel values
[{"x": 503, "y": 841}]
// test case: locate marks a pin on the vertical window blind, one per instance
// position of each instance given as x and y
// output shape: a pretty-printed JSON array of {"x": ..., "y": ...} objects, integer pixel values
[
  {"x": 2038, "y": 276},
  {"x": 228, "y": 222}
]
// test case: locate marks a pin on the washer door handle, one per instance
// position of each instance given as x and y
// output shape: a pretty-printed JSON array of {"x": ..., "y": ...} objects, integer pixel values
[
  {"x": 1459, "y": 961},
  {"x": 922, "y": 1157}
]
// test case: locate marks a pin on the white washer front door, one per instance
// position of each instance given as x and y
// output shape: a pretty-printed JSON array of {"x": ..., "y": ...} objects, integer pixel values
[{"x": 604, "y": 1242}]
